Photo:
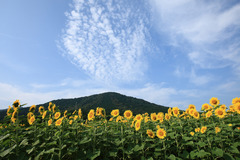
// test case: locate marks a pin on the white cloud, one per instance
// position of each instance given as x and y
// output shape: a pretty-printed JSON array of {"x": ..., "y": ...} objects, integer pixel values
[
  {"x": 106, "y": 39},
  {"x": 208, "y": 29}
]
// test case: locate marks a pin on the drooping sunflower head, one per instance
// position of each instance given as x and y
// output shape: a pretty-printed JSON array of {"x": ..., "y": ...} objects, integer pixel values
[
  {"x": 14, "y": 116},
  {"x": 32, "y": 108},
  {"x": 50, "y": 105},
  {"x": 29, "y": 115},
  {"x": 41, "y": 110},
  {"x": 115, "y": 112},
  {"x": 99, "y": 111},
  {"x": 54, "y": 108},
  {"x": 128, "y": 114},
  {"x": 214, "y": 101},
  {"x": 150, "y": 133},
  {"x": 9, "y": 113},
  {"x": 65, "y": 113},
  {"x": 161, "y": 133},
  {"x": 119, "y": 119},
  {"x": 70, "y": 122},
  {"x": 49, "y": 122},
  {"x": 57, "y": 115}
]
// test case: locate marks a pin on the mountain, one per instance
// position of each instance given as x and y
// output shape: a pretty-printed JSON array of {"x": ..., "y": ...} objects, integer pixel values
[{"x": 108, "y": 101}]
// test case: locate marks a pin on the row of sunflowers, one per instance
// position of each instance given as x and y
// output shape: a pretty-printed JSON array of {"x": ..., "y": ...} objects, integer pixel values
[{"x": 212, "y": 133}]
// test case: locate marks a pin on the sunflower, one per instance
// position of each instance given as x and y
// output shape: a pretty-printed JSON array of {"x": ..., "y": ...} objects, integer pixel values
[
  {"x": 138, "y": 117},
  {"x": 75, "y": 117},
  {"x": 111, "y": 119},
  {"x": 8, "y": 111},
  {"x": 50, "y": 106},
  {"x": 54, "y": 108},
  {"x": 167, "y": 117},
  {"x": 70, "y": 122},
  {"x": 203, "y": 129},
  {"x": 206, "y": 107},
  {"x": 223, "y": 106},
  {"x": 237, "y": 107},
  {"x": 80, "y": 113},
  {"x": 191, "y": 111},
  {"x": 150, "y": 133},
  {"x": 31, "y": 120},
  {"x": 74, "y": 112},
  {"x": 191, "y": 106},
  {"x": 232, "y": 108},
  {"x": 217, "y": 129},
  {"x": 119, "y": 118},
  {"x": 192, "y": 133},
  {"x": 49, "y": 122},
  {"x": 197, "y": 129},
  {"x": 99, "y": 111},
  {"x": 161, "y": 133},
  {"x": 146, "y": 119},
  {"x": 138, "y": 125},
  {"x": 170, "y": 111},
  {"x": 59, "y": 121},
  {"x": 128, "y": 114},
  {"x": 57, "y": 115},
  {"x": 65, "y": 113},
  {"x": 175, "y": 111},
  {"x": 29, "y": 115},
  {"x": 14, "y": 116},
  {"x": 115, "y": 112},
  {"x": 154, "y": 117},
  {"x": 236, "y": 100},
  {"x": 214, "y": 101},
  {"x": 32, "y": 108},
  {"x": 91, "y": 115},
  {"x": 44, "y": 114},
  {"x": 208, "y": 114},
  {"x": 196, "y": 115},
  {"x": 16, "y": 104},
  {"x": 219, "y": 112},
  {"x": 41, "y": 110}
]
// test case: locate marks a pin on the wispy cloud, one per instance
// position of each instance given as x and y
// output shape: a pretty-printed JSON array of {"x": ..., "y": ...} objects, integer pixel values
[
  {"x": 208, "y": 29},
  {"x": 107, "y": 38}
]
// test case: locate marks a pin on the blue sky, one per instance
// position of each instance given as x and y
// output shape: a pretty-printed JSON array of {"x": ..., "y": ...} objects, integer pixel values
[{"x": 172, "y": 53}]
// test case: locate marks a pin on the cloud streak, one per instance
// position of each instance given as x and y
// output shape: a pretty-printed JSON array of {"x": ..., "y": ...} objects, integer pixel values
[{"x": 106, "y": 39}]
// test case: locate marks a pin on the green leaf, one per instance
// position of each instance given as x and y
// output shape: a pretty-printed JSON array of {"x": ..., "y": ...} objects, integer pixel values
[
  {"x": 218, "y": 152},
  {"x": 29, "y": 151},
  {"x": 201, "y": 144},
  {"x": 36, "y": 142},
  {"x": 4, "y": 137},
  {"x": 185, "y": 154},
  {"x": 24, "y": 142},
  {"x": 7, "y": 151},
  {"x": 138, "y": 148},
  {"x": 228, "y": 156},
  {"x": 95, "y": 155},
  {"x": 172, "y": 157},
  {"x": 50, "y": 151},
  {"x": 85, "y": 140},
  {"x": 202, "y": 154},
  {"x": 40, "y": 154},
  {"x": 233, "y": 149}
]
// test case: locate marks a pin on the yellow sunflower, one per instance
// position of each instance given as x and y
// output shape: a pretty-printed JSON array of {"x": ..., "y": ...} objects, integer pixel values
[
  {"x": 175, "y": 111},
  {"x": 138, "y": 117},
  {"x": 217, "y": 129},
  {"x": 191, "y": 106},
  {"x": 170, "y": 111},
  {"x": 206, "y": 107},
  {"x": 146, "y": 119},
  {"x": 32, "y": 108},
  {"x": 65, "y": 113},
  {"x": 14, "y": 116},
  {"x": 128, "y": 114},
  {"x": 138, "y": 125},
  {"x": 150, "y": 133},
  {"x": 236, "y": 100},
  {"x": 70, "y": 122},
  {"x": 208, "y": 114},
  {"x": 115, "y": 112},
  {"x": 16, "y": 104},
  {"x": 219, "y": 112},
  {"x": 99, "y": 111},
  {"x": 31, "y": 120},
  {"x": 154, "y": 117},
  {"x": 203, "y": 129},
  {"x": 167, "y": 117},
  {"x": 119, "y": 119},
  {"x": 223, "y": 106},
  {"x": 57, "y": 115},
  {"x": 192, "y": 133},
  {"x": 196, "y": 114},
  {"x": 49, "y": 122},
  {"x": 41, "y": 110},
  {"x": 54, "y": 108},
  {"x": 50, "y": 106},
  {"x": 237, "y": 107},
  {"x": 197, "y": 129},
  {"x": 80, "y": 113},
  {"x": 214, "y": 101},
  {"x": 44, "y": 114},
  {"x": 59, "y": 121},
  {"x": 29, "y": 115},
  {"x": 161, "y": 133},
  {"x": 91, "y": 115},
  {"x": 8, "y": 111}
]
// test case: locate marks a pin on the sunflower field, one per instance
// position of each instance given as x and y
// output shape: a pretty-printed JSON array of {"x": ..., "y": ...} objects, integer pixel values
[{"x": 212, "y": 133}]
